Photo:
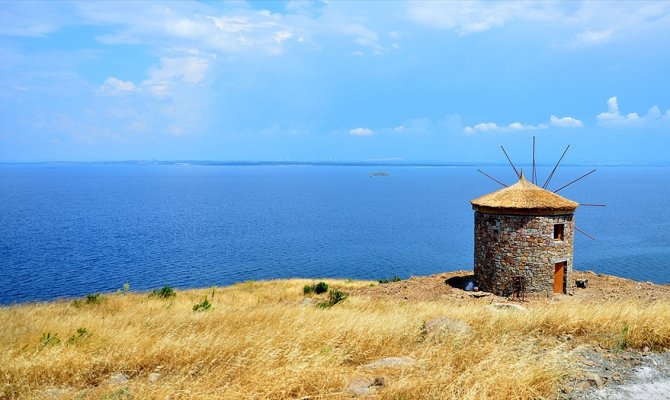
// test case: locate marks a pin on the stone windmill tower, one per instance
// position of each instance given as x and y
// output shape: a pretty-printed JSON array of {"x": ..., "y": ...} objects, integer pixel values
[{"x": 524, "y": 234}]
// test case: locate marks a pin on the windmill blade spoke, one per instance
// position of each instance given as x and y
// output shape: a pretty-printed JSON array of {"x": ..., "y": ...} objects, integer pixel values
[
  {"x": 571, "y": 182},
  {"x": 551, "y": 175},
  {"x": 584, "y": 233},
  {"x": 534, "y": 176},
  {"x": 510, "y": 163},
  {"x": 490, "y": 177},
  {"x": 592, "y": 205}
]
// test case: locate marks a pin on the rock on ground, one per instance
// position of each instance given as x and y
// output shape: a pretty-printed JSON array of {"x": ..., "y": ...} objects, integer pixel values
[
  {"x": 362, "y": 386},
  {"x": 446, "y": 325},
  {"x": 390, "y": 362},
  {"x": 118, "y": 378}
]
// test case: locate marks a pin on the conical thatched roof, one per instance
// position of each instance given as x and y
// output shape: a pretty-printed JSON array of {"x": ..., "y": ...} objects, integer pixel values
[{"x": 525, "y": 197}]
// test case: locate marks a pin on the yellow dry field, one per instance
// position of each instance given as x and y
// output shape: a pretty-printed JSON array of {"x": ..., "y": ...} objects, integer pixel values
[{"x": 261, "y": 340}]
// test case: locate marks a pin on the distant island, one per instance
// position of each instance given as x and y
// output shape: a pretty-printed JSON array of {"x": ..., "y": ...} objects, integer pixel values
[{"x": 371, "y": 174}]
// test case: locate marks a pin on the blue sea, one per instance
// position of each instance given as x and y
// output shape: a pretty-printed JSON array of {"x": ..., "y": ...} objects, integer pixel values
[{"x": 71, "y": 229}]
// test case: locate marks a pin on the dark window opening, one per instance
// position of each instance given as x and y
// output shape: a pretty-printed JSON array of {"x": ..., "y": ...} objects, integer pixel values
[{"x": 559, "y": 230}]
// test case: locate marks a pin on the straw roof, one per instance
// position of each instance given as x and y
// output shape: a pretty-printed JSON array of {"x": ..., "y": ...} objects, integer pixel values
[{"x": 523, "y": 196}]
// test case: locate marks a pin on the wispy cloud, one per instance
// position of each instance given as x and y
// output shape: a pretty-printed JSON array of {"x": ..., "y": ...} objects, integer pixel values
[
  {"x": 492, "y": 126},
  {"x": 591, "y": 38},
  {"x": 577, "y": 24},
  {"x": 361, "y": 131},
  {"x": 565, "y": 122},
  {"x": 115, "y": 87},
  {"x": 469, "y": 17}
]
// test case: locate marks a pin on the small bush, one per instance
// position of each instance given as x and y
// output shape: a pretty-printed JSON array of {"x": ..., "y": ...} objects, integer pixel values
[
  {"x": 49, "y": 340},
  {"x": 165, "y": 292},
  {"x": 126, "y": 287},
  {"x": 95, "y": 298},
  {"x": 337, "y": 296},
  {"x": 321, "y": 287},
  {"x": 395, "y": 278},
  {"x": 91, "y": 298},
  {"x": 204, "y": 306},
  {"x": 622, "y": 341},
  {"x": 334, "y": 296},
  {"x": 82, "y": 333}
]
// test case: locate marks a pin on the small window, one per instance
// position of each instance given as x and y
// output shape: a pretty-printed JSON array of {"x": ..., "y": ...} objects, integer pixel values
[{"x": 559, "y": 230}]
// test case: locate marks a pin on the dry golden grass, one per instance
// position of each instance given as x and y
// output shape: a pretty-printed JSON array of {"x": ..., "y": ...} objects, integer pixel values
[{"x": 258, "y": 341}]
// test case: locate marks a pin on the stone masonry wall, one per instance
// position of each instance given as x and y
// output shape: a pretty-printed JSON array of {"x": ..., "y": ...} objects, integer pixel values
[{"x": 509, "y": 245}]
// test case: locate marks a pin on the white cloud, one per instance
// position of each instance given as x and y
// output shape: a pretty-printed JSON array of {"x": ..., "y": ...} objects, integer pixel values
[
  {"x": 116, "y": 87},
  {"x": 283, "y": 35},
  {"x": 415, "y": 126},
  {"x": 172, "y": 71},
  {"x": 565, "y": 122},
  {"x": 466, "y": 17},
  {"x": 192, "y": 25},
  {"x": 573, "y": 24},
  {"x": 361, "y": 131},
  {"x": 492, "y": 126},
  {"x": 614, "y": 117},
  {"x": 590, "y": 38}
]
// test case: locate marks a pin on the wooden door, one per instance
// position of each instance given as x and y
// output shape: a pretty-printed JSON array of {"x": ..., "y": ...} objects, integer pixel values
[{"x": 559, "y": 271}]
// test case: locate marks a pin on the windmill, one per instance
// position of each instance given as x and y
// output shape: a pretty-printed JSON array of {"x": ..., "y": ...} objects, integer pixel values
[{"x": 524, "y": 235}]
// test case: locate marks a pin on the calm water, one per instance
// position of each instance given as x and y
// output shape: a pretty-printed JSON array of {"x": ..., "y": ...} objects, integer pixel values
[{"x": 69, "y": 230}]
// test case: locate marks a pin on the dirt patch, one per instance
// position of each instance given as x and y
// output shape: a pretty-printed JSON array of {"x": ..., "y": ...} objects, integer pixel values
[{"x": 445, "y": 287}]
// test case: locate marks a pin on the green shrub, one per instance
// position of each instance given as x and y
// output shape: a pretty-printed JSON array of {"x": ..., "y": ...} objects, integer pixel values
[
  {"x": 204, "y": 306},
  {"x": 321, "y": 287},
  {"x": 91, "y": 298},
  {"x": 395, "y": 278},
  {"x": 165, "y": 292},
  {"x": 95, "y": 298},
  {"x": 622, "y": 341},
  {"x": 334, "y": 296},
  {"x": 49, "y": 340},
  {"x": 82, "y": 333}
]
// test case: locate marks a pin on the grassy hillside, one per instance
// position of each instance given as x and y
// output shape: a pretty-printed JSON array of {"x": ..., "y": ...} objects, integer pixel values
[{"x": 264, "y": 340}]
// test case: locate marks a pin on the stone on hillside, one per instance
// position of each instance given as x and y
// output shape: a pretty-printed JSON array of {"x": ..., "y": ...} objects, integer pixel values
[
  {"x": 362, "y": 386},
  {"x": 582, "y": 283},
  {"x": 390, "y": 362},
  {"x": 153, "y": 377},
  {"x": 306, "y": 301},
  {"x": 446, "y": 325},
  {"x": 118, "y": 378}
]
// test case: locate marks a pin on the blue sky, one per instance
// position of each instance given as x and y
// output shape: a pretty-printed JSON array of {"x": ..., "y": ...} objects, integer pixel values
[{"x": 334, "y": 81}]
